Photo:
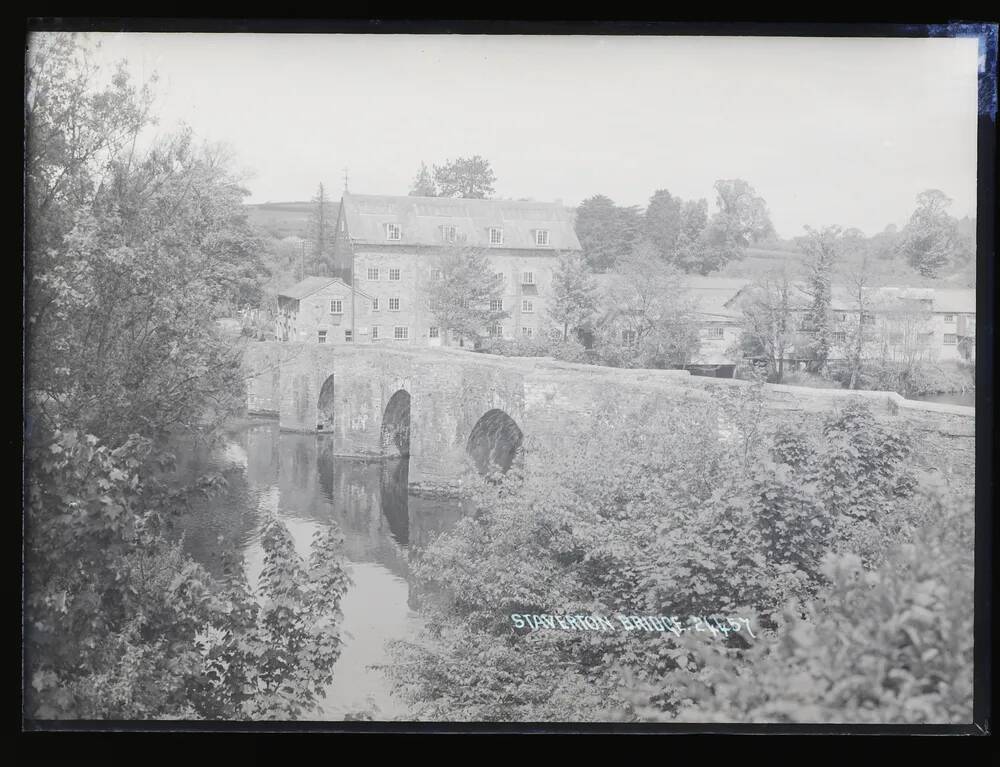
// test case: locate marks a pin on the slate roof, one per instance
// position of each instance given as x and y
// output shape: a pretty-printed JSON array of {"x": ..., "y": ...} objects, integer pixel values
[
  {"x": 420, "y": 220},
  {"x": 306, "y": 287}
]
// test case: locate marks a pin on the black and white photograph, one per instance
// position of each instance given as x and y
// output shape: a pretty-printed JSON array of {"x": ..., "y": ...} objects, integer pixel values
[{"x": 399, "y": 378}]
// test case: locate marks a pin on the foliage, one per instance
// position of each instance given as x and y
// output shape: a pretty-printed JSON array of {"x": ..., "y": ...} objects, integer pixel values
[
  {"x": 543, "y": 345},
  {"x": 130, "y": 258},
  {"x": 711, "y": 516},
  {"x": 606, "y": 231},
  {"x": 465, "y": 177},
  {"x": 822, "y": 251},
  {"x": 460, "y": 296},
  {"x": 931, "y": 240},
  {"x": 120, "y": 624},
  {"x": 574, "y": 302},
  {"x": 767, "y": 329},
  {"x": 889, "y": 646},
  {"x": 423, "y": 184},
  {"x": 653, "y": 322},
  {"x": 321, "y": 234}
]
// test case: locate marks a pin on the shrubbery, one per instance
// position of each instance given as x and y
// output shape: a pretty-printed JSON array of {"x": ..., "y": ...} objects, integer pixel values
[{"x": 635, "y": 519}]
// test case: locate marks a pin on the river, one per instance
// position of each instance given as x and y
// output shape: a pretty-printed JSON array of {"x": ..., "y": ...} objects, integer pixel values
[
  {"x": 296, "y": 477},
  {"x": 967, "y": 398}
]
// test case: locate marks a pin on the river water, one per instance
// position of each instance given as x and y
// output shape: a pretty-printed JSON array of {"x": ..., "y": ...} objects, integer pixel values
[
  {"x": 966, "y": 398},
  {"x": 296, "y": 477}
]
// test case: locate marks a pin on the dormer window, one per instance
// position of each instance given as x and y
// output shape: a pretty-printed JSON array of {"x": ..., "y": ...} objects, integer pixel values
[
  {"x": 448, "y": 233},
  {"x": 496, "y": 235},
  {"x": 542, "y": 237},
  {"x": 392, "y": 232}
]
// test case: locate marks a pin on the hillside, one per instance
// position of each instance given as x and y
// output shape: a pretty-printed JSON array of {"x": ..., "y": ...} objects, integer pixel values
[{"x": 286, "y": 219}]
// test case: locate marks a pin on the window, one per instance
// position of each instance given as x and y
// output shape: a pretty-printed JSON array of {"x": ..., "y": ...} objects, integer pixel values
[
  {"x": 867, "y": 319},
  {"x": 839, "y": 337},
  {"x": 434, "y": 332},
  {"x": 496, "y": 235},
  {"x": 372, "y": 272},
  {"x": 496, "y": 304},
  {"x": 336, "y": 306},
  {"x": 628, "y": 337},
  {"x": 526, "y": 332},
  {"x": 374, "y": 332},
  {"x": 495, "y": 330},
  {"x": 527, "y": 305},
  {"x": 322, "y": 337},
  {"x": 394, "y": 275},
  {"x": 541, "y": 237},
  {"x": 393, "y": 304},
  {"x": 392, "y": 232},
  {"x": 950, "y": 339},
  {"x": 349, "y": 335},
  {"x": 840, "y": 316},
  {"x": 527, "y": 278},
  {"x": 448, "y": 233},
  {"x": 949, "y": 318},
  {"x": 401, "y": 333},
  {"x": 714, "y": 333},
  {"x": 375, "y": 306},
  {"x": 437, "y": 274},
  {"x": 500, "y": 277}
]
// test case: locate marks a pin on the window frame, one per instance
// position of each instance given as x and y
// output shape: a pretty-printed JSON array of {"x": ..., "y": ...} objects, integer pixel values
[
  {"x": 539, "y": 232},
  {"x": 339, "y": 301},
  {"x": 528, "y": 278},
  {"x": 397, "y": 336},
  {"x": 500, "y": 241},
  {"x": 434, "y": 331},
  {"x": 390, "y": 228},
  {"x": 374, "y": 335},
  {"x": 348, "y": 336},
  {"x": 375, "y": 304},
  {"x": 527, "y": 306},
  {"x": 321, "y": 336},
  {"x": 399, "y": 274},
  {"x": 396, "y": 299},
  {"x": 946, "y": 342},
  {"x": 449, "y": 233},
  {"x": 496, "y": 304},
  {"x": 377, "y": 272}
]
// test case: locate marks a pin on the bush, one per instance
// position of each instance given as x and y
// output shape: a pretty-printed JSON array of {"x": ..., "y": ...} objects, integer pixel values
[{"x": 709, "y": 517}]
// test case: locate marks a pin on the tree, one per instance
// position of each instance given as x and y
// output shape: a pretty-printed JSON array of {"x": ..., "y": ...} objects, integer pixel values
[
  {"x": 423, "y": 184},
  {"x": 462, "y": 292},
  {"x": 742, "y": 213},
  {"x": 320, "y": 233},
  {"x": 661, "y": 223},
  {"x": 931, "y": 239},
  {"x": 573, "y": 292},
  {"x": 465, "y": 177},
  {"x": 767, "y": 327},
  {"x": 606, "y": 231},
  {"x": 131, "y": 257},
  {"x": 654, "y": 320},
  {"x": 692, "y": 253},
  {"x": 821, "y": 249},
  {"x": 860, "y": 279}
]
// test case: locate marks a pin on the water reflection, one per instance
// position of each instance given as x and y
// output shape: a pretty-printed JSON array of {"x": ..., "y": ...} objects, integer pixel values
[{"x": 297, "y": 477}]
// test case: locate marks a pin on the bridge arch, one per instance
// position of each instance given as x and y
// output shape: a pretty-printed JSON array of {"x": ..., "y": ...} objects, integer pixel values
[
  {"x": 324, "y": 407},
  {"x": 396, "y": 425},
  {"x": 495, "y": 442}
]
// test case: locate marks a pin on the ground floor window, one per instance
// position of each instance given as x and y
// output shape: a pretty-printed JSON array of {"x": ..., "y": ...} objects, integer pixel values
[
  {"x": 322, "y": 337},
  {"x": 628, "y": 337},
  {"x": 527, "y": 332},
  {"x": 349, "y": 336},
  {"x": 374, "y": 332},
  {"x": 434, "y": 332},
  {"x": 401, "y": 333},
  {"x": 950, "y": 339}
]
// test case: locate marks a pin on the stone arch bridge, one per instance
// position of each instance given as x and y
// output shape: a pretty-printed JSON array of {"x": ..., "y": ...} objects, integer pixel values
[{"x": 446, "y": 407}]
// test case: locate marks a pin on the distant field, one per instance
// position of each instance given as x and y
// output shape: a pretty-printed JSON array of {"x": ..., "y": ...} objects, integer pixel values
[{"x": 286, "y": 219}]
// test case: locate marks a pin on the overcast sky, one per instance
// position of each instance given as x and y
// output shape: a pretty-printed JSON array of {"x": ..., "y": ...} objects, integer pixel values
[{"x": 829, "y": 131}]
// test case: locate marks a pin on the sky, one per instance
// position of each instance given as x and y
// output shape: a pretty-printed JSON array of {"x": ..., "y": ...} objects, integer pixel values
[{"x": 840, "y": 131}]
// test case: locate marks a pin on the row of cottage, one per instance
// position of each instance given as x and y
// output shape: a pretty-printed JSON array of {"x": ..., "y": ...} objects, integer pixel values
[{"x": 386, "y": 249}]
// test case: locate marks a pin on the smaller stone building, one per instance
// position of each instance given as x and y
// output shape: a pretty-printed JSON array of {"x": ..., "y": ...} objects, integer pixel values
[{"x": 324, "y": 310}]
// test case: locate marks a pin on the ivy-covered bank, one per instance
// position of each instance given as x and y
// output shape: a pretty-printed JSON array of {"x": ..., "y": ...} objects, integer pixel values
[{"x": 854, "y": 566}]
